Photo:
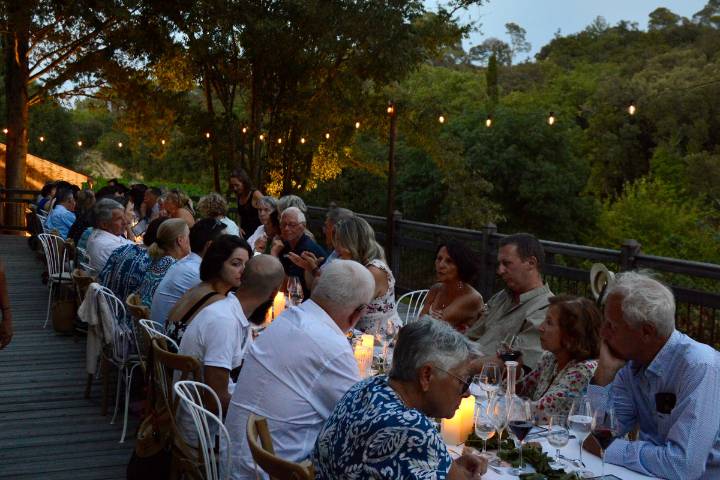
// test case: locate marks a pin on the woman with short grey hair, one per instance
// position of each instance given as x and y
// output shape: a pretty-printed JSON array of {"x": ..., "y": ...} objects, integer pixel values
[
  {"x": 269, "y": 227},
  {"x": 430, "y": 374}
]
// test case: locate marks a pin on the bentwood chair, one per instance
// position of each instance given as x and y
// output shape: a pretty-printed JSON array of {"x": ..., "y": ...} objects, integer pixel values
[
  {"x": 154, "y": 329},
  {"x": 199, "y": 399},
  {"x": 264, "y": 454},
  {"x": 58, "y": 274},
  {"x": 120, "y": 354},
  {"x": 412, "y": 304}
]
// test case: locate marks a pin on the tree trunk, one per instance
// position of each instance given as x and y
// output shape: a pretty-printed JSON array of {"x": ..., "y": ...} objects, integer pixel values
[
  {"x": 16, "y": 98},
  {"x": 213, "y": 150}
]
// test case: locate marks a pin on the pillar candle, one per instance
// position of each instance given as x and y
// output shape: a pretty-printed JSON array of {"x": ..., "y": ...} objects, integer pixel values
[{"x": 278, "y": 304}]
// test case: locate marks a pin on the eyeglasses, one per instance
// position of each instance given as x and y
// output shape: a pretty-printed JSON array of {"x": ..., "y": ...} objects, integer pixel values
[
  {"x": 289, "y": 225},
  {"x": 465, "y": 383}
]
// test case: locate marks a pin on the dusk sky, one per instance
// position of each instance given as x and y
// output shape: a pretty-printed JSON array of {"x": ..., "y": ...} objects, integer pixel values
[{"x": 542, "y": 18}]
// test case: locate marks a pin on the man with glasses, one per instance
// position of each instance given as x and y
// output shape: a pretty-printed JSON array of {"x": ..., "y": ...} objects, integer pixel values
[{"x": 295, "y": 240}]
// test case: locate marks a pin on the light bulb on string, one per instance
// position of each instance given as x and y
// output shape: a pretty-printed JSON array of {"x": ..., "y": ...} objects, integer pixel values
[
  {"x": 302, "y": 140},
  {"x": 489, "y": 121},
  {"x": 207, "y": 135},
  {"x": 244, "y": 130},
  {"x": 631, "y": 109},
  {"x": 279, "y": 141},
  {"x": 441, "y": 119},
  {"x": 551, "y": 119},
  {"x": 5, "y": 131},
  {"x": 42, "y": 138},
  {"x": 327, "y": 136},
  {"x": 262, "y": 137},
  {"x": 162, "y": 141},
  {"x": 119, "y": 144},
  {"x": 391, "y": 109},
  {"x": 357, "y": 125},
  {"x": 79, "y": 143}
]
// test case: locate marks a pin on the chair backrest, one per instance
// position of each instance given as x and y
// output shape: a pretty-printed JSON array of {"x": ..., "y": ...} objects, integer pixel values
[
  {"x": 54, "y": 249},
  {"x": 154, "y": 330},
  {"x": 165, "y": 364},
  {"x": 83, "y": 259},
  {"x": 122, "y": 335},
  {"x": 412, "y": 304},
  {"x": 264, "y": 454},
  {"x": 196, "y": 397},
  {"x": 82, "y": 281}
]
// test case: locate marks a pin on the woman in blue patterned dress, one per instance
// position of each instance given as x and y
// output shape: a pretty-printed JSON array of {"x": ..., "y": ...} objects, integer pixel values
[
  {"x": 383, "y": 429},
  {"x": 172, "y": 244}
]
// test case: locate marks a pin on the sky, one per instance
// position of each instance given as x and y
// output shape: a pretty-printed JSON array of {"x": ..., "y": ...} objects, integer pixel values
[{"x": 542, "y": 18}]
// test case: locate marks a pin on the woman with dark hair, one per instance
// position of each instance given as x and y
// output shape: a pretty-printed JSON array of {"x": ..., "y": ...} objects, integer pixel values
[
  {"x": 220, "y": 271},
  {"x": 570, "y": 334},
  {"x": 247, "y": 201},
  {"x": 454, "y": 299},
  {"x": 83, "y": 214}
]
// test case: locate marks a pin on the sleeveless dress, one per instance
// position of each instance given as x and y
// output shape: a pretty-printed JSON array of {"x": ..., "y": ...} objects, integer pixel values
[
  {"x": 381, "y": 308},
  {"x": 248, "y": 215}
]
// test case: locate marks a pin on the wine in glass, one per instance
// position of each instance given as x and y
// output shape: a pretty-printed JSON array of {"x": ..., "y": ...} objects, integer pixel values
[
  {"x": 294, "y": 290},
  {"x": 580, "y": 422},
  {"x": 509, "y": 349},
  {"x": 520, "y": 422},
  {"x": 558, "y": 435},
  {"x": 604, "y": 430},
  {"x": 484, "y": 424}
]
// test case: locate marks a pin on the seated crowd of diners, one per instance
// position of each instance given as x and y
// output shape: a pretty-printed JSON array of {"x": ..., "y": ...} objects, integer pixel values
[{"x": 209, "y": 280}]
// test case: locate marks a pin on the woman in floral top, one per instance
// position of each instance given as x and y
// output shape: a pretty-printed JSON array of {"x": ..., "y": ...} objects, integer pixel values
[{"x": 570, "y": 335}]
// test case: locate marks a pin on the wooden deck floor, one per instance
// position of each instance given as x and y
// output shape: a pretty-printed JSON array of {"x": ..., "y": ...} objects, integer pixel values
[{"x": 47, "y": 429}]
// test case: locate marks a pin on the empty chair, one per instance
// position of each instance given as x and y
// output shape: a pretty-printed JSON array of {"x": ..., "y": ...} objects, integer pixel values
[
  {"x": 410, "y": 305},
  {"x": 54, "y": 249},
  {"x": 264, "y": 454},
  {"x": 199, "y": 400}
]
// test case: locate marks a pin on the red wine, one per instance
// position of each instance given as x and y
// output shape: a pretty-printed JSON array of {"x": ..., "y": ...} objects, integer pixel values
[
  {"x": 520, "y": 428},
  {"x": 604, "y": 436},
  {"x": 510, "y": 356}
]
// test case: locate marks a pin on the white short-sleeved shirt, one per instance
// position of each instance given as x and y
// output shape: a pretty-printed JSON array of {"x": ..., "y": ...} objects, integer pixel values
[
  {"x": 100, "y": 245},
  {"x": 231, "y": 228},
  {"x": 218, "y": 337},
  {"x": 294, "y": 374}
]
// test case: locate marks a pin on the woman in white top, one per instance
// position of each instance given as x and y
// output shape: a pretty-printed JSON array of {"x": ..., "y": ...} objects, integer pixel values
[
  {"x": 266, "y": 231},
  {"x": 213, "y": 205}
]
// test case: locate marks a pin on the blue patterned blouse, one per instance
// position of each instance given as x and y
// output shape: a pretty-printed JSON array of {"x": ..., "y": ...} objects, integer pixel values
[
  {"x": 153, "y": 277},
  {"x": 371, "y": 434},
  {"x": 125, "y": 269}
]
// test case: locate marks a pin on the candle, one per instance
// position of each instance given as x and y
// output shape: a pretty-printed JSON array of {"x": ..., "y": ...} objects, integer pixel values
[
  {"x": 367, "y": 340},
  {"x": 278, "y": 304},
  {"x": 363, "y": 356},
  {"x": 455, "y": 430}
]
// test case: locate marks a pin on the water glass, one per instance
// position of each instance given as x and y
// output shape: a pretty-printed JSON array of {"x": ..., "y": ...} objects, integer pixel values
[
  {"x": 294, "y": 290},
  {"x": 580, "y": 421},
  {"x": 558, "y": 435},
  {"x": 484, "y": 423}
]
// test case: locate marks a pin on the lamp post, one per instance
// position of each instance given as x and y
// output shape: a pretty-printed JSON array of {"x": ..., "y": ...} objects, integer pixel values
[{"x": 390, "y": 238}]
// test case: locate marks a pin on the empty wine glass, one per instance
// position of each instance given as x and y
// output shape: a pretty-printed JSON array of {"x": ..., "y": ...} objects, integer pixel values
[
  {"x": 294, "y": 290},
  {"x": 558, "y": 435},
  {"x": 604, "y": 430},
  {"x": 384, "y": 333},
  {"x": 580, "y": 423},
  {"x": 520, "y": 422},
  {"x": 488, "y": 381},
  {"x": 484, "y": 423}
]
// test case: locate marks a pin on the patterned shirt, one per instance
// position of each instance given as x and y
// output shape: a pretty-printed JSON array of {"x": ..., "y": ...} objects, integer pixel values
[
  {"x": 551, "y": 391},
  {"x": 382, "y": 308},
  {"x": 371, "y": 434},
  {"x": 124, "y": 271},
  {"x": 153, "y": 277},
  {"x": 680, "y": 438}
]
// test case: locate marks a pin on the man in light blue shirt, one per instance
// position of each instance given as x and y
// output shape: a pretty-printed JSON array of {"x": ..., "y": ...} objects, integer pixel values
[
  {"x": 669, "y": 386},
  {"x": 61, "y": 217},
  {"x": 185, "y": 273}
]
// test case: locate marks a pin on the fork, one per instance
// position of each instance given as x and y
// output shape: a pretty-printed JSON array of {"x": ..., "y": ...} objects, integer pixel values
[{"x": 573, "y": 461}]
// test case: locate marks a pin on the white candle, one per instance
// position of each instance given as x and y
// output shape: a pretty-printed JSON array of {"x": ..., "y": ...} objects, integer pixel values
[{"x": 455, "y": 430}]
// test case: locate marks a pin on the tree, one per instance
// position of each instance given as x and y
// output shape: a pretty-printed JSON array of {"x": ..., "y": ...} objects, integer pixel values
[
  {"x": 709, "y": 16},
  {"x": 662, "y": 18},
  {"x": 491, "y": 47},
  {"x": 517, "y": 39}
]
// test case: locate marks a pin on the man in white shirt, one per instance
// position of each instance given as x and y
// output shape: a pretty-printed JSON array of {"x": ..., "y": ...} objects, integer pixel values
[
  {"x": 219, "y": 335},
  {"x": 297, "y": 369},
  {"x": 185, "y": 273},
  {"x": 110, "y": 224}
]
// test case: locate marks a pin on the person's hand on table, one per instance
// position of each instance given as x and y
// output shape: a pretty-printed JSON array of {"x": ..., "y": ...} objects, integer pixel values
[{"x": 467, "y": 466}]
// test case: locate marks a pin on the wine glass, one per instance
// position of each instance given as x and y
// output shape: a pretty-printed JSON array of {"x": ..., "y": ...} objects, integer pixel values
[
  {"x": 384, "y": 333},
  {"x": 488, "y": 381},
  {"x": 294, "y": 290},
  {"x": 520, "y": 422},
  {"x": 604, "y": 430},
  {"x": 558, "y": 435},
  {"x": 580, "y": 422},
  {"x": 484, "y": 423},
  {"x": 498, "y": 413}
]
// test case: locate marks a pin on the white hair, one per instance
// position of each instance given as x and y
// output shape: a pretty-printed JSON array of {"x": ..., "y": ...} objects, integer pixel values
[
  {"x": 103, "y": 210},
  {"x": 296, "y": 211},
  {"x": 645, "y": 300},
  {"x": 345, "y": 283}
]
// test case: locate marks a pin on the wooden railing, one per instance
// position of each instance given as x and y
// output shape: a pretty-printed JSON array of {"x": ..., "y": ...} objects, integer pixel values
[{"x": 13, "y": 204}]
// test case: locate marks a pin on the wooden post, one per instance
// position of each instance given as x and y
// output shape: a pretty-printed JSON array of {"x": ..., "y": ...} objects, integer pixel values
[
  {"x": 394, "y": 264},
  {"x": 390, "y": 237},
  {"x": 488, "y": 258},
  {"x": 628, "y": 251}
]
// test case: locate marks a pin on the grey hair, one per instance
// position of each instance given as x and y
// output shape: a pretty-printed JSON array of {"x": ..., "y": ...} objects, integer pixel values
[
  {"x": 428, "y": 341},
  {"x": 287, "y": 201},
  {"x": 645, "y": 300},
  {"x": 103, "y": 210},
  {"x": 344, "y": 283},
  {"x": 337, "y": 214},
  {"x": 271, "y": 202},
  {"x": 298, "y": 213}
]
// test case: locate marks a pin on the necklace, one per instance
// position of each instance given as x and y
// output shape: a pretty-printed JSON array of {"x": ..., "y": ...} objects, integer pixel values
[{"x": 460, "y": 286}]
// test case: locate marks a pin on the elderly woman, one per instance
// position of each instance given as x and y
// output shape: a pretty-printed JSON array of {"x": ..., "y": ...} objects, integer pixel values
[
  {"x": 267, "y": 205},
  {"x": 382, "y": 427},
  {"x": 213, "y": 205},
  {"x": 177, "y": 205},
  {"x": 453, "y": 299},
  {"x": 570, "y": 334},
  {"x": 171, "y": 244},
  {"x": 220, "y": 271}
]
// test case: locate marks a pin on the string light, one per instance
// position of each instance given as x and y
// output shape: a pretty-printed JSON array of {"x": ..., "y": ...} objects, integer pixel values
[
  {"x": 207, "y": 135},
  {"x": 5, "y": 131},
  {"x": 42, "y": 139},
  {"x": 488, "y": 121},
  {"x": 391, "y": 109},
  {"x": 279, "y": 141},
  {"x": 551, "y": 119},
  {"x": 244, "y": 130},
  {"x": 302, "y": 140},
  {"x": 631, "y": 108},
  {"x": 119, "y": 144},
  {"x": 441, "y": 119},
  {"x": 162, "y": 141},
  {"x": 262, "y": 137},
  {"x": 327, "y": 136},
  {"x": 79, "y": 143},
  {"x": 357, "y": 125}
]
